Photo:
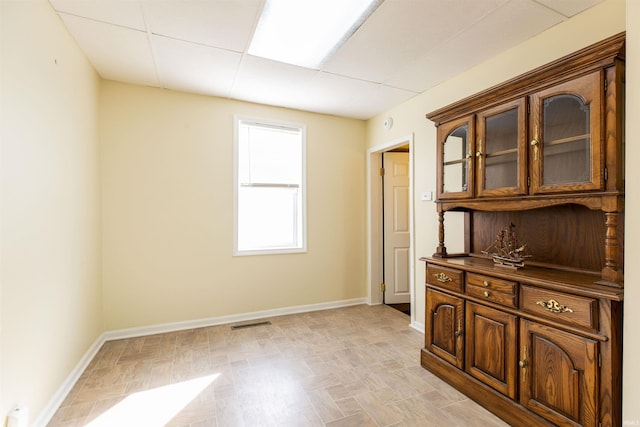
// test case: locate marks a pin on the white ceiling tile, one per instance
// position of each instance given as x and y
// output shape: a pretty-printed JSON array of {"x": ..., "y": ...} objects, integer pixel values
[
  {"x": 332, "y": 92},
  {"x": 569, "y": 7},
  {"x": 402, "y": 30},
  {"x": 124, "y": 13},
  {"x": 270, "y": 82},
  {"x": 227, "y": 24},
  {"x": 369, "y": 102},
  {"x": 520, "y": 19},
  {"x": 344, "y": 96},
  {"x": 117, "y": 53},
  {"x": 420, "y": 74},
  {"x": 194, "y": 67}
]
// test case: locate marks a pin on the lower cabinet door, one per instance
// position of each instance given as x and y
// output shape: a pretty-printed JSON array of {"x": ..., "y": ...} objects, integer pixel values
[
  {"x": 491, "y": 347},
  {"x": 444, "y": 327},
  {"x": 559, "y": 375}
]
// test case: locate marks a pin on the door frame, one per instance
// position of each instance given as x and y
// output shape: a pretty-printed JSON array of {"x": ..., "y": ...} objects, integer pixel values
[{"x": 374, "y": 221}]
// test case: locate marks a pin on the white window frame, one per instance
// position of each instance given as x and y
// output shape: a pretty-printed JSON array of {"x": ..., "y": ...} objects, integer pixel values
[{"x": 237, "y": 120}]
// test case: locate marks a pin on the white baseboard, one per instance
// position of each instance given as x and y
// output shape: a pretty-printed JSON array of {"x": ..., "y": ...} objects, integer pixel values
[
  {"x": 222, "y": 320},
  {"x": 57, "y": 399},
  {"x": 54, "y": 403},
  {"x": 418, "y": 326}
]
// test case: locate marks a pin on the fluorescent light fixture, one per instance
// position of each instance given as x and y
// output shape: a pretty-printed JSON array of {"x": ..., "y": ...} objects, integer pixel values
[{"x": 307, "y": 32}]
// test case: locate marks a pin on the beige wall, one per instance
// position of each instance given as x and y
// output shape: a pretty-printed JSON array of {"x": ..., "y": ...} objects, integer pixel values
[
  {"x": 631, "y": 368},
  {"x": 50, "y": 310},
  {"x": 595, "y": 24},
  {"x": 168, "y": 211}
]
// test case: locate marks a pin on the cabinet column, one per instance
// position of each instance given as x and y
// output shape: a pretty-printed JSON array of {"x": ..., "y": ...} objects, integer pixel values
[
  {"x": 441, "y": 250},
  {"x": 610, "y": 272}
]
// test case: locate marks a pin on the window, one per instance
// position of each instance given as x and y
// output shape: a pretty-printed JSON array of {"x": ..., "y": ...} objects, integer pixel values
[{"x": 269, "y": 187}]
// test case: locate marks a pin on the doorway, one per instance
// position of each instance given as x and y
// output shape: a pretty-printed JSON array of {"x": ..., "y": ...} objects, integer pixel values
[
  {"x": 381, "y": 289},
  {"x": 395, "y": 229}
]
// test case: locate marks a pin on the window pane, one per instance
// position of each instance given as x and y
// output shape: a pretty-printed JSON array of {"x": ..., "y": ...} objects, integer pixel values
[
  {"x": 270, "y": 155},
  {"x": 268, "y": 218}
]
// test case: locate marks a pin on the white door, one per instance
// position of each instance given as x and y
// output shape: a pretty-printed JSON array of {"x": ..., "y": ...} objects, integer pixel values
[{"x": 396, "y": 227}]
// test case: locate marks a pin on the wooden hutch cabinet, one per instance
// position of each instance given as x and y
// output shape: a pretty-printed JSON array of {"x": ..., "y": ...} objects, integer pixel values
[{"x": 542, "y": 153}]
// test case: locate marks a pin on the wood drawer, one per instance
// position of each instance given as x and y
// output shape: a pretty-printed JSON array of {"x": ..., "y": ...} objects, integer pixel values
[
  {"x": 566, "y": 308},
  {"x": 488, "y": 288},
  {"x": 444, "y": 277},
  {"x": 501, "y": 298}
]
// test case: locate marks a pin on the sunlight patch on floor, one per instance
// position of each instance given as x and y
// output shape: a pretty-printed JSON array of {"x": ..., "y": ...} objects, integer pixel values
[{"x": 155, "y": 407}]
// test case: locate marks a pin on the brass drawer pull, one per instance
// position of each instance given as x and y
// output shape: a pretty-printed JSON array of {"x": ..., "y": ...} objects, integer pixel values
[
  {"x": 441, "y": 277},
  {"x": 554, "y": 306},
  {"x": 486, "y": 294}
]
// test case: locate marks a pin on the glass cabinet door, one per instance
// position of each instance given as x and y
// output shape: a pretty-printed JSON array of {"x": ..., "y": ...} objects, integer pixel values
[
  {"x": 501, "y": 150},
  {"x": 565, "y": 146},
  {"x": 455, "y": 150}
]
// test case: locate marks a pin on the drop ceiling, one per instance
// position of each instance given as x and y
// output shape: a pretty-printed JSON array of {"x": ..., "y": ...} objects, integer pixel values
[{"x": 403, "y": 49}]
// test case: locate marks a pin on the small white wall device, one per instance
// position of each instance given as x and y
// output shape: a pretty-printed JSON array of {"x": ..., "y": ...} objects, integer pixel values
[
  {"x": 18, "y": 417},
  {"x": 388, "y": 123}
]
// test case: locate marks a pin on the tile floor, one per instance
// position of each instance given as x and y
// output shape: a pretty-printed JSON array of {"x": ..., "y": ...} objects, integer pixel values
[{"x": 354, "y": 366}]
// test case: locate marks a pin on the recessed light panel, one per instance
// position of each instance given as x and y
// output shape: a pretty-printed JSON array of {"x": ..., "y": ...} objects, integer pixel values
[{"x": 305, "y": 33}]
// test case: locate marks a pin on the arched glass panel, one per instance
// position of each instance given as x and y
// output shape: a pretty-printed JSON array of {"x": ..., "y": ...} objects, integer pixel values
[
  {"x": 566, "y": 140},
  {"x": 456, "y": 165}
]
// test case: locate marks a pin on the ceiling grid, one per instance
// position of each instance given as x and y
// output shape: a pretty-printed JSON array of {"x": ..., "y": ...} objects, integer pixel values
[{"x": 403, "y": 49}]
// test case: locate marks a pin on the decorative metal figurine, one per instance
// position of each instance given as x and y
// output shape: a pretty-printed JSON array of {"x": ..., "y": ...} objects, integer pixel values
[{"x": 506, "y": 250}]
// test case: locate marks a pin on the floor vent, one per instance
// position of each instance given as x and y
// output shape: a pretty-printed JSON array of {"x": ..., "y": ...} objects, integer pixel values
[{"x": 250, "y": 325}]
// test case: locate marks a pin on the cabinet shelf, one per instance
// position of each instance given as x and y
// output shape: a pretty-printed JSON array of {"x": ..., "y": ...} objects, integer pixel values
[
  {"x": 568, "y": 139},
  {"x": 454, "y": 162},
  {"x": 502, "y": 152}
]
